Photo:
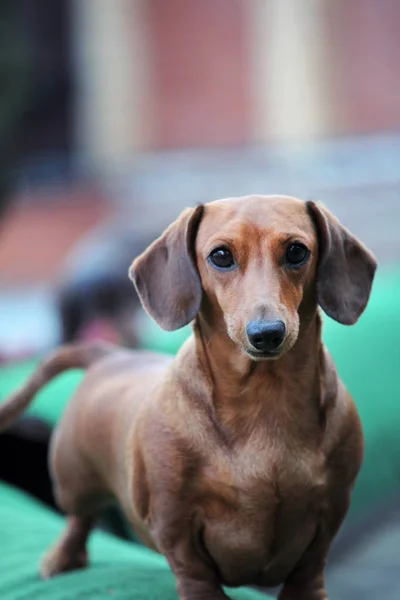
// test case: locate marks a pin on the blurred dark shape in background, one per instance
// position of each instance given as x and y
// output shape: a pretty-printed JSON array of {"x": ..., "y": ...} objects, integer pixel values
[
  {"x": 96, "y": 298},
  {"x": 35, "y": 83}
]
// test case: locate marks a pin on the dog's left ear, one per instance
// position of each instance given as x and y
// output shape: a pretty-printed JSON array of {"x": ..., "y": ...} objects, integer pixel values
[
  {"x": 346, "y": 268},
  {"x": 165, "y": 275}
]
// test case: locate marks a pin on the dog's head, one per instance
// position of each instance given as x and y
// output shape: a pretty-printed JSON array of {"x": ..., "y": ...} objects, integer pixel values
[{"x": 255, "y": 265}]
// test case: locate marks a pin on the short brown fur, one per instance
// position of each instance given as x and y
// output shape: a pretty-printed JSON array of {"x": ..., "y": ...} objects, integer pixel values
[{"x": 238, "y": 470}]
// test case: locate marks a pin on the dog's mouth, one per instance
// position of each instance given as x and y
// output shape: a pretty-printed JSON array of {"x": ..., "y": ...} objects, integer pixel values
[{"x": 258, "y": 355}]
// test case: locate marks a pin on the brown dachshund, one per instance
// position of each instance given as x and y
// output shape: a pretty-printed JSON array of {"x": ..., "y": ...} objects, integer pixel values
[{"x": 235, "y": 459}]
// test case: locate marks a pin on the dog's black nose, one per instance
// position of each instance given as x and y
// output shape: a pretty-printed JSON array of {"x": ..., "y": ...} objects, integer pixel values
[{"x": 266, "y": 336}]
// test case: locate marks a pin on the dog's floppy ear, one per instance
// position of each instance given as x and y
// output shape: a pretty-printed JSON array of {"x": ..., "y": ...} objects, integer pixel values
[
  {"x": 165, "y": 275},
  {"x": 346, "y": 268}
]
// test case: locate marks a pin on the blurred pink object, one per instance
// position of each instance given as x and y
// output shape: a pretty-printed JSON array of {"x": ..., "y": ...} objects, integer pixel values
[{"x": 100, "y": 329}]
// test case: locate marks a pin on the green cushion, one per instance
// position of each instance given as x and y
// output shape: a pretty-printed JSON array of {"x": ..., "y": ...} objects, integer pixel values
[
  {"x": 368, "y": 359},
  {"x": 118, "y": 569},
  {"x": 367, "y": 356}
]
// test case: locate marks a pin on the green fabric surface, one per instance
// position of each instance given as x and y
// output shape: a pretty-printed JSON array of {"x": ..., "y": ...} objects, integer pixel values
[
  {"x": 118, "y": 570},
  {"x": 367, "y": 356}
]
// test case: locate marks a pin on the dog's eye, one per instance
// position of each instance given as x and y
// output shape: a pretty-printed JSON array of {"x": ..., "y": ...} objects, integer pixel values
[
  {"x": 222, "y": 258},
  {"x": 297, "y": 254}
]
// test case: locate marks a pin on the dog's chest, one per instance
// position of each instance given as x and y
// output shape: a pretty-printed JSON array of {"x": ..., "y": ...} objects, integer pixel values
[{"x": 261, "y": 512}]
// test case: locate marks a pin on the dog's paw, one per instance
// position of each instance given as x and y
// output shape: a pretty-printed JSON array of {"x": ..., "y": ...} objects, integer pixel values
[{"x": 58, "y": 561}]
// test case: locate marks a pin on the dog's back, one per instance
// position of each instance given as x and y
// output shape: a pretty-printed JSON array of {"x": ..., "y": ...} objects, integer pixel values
[{"x": 93, "y": 433}]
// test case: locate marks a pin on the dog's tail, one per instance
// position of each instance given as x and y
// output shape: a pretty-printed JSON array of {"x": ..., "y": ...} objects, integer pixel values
[{"x": 79, "y": 356}]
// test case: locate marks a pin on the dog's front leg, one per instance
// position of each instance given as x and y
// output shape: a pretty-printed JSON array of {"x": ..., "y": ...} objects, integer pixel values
[
  {"x": 205, "y": 587},
  {"x": 306, "y": 582},
  {"x": 313, "y": 589},
  {"x": 196, "y": 579}
]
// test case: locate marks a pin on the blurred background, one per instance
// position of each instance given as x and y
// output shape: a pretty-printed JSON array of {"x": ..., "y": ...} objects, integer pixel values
[{"x": 117, "y": 114}]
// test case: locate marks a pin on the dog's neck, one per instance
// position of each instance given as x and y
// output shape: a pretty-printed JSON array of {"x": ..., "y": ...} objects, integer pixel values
[{"x": 245, "y": 392}]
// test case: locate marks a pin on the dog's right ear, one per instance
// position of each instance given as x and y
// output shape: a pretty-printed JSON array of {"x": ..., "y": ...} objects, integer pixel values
[{"x": 165, "y": 275}]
